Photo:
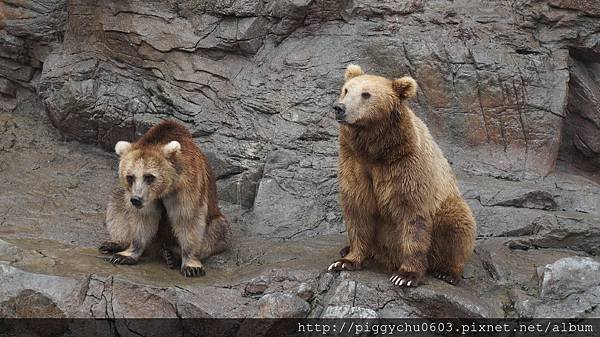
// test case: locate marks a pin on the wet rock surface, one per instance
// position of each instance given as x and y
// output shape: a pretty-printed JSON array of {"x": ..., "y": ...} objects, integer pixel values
[{"x": 508, "y": 91}]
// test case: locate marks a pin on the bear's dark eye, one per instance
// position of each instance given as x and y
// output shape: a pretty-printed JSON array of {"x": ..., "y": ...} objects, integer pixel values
[
  {"x": 130, "y": 179},
  {"x": 149, "y": 178},
  {"x": 345, "y": 91},
  {"x": 365, "y": 95}
]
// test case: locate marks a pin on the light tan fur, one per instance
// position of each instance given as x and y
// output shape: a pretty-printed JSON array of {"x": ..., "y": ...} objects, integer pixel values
[
  {"x": 175, "y": 191},
  {"x": 125, "y": 222},
  {"x": 401, "y": 201}
]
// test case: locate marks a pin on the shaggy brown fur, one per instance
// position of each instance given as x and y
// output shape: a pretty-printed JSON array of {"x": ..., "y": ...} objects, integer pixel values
[
  {"x": 167, "y": 186},
  {"x": 401, "y": 202}
]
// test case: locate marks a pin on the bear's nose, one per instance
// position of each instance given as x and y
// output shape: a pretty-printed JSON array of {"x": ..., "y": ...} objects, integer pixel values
[
  {"x": 136, "y": 201},
  {"x": 340, "y": 111}
]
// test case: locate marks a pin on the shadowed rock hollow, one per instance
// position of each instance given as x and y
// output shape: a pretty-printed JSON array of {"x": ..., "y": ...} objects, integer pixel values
[{"x": 509, "y": 90}]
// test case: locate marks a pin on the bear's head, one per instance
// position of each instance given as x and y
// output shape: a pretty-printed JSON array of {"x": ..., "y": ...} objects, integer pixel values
[
  {"x": 366, "y": 99},
  {"x": 147, "y": 172}
]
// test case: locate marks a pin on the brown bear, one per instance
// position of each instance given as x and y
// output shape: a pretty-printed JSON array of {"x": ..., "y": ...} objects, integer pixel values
[
  {"x": 400, "y": 199},
  {"x": 166, "y": 187}
]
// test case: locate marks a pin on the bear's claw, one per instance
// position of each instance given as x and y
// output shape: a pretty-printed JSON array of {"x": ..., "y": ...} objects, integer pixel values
[
  {"x": 188, "y": 271},
  {"x": 453, "y": 280},
  {"x": 404, "y": 281},
  {"x": 343, "y": 264},
  {"x": 121, "y": 259},
  {"x": 336, "y": 266}
]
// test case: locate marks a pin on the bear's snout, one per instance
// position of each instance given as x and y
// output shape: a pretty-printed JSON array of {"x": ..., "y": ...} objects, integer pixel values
[
  {"x": 340, "y": 112},
  {"x": 136, "y": 201}
]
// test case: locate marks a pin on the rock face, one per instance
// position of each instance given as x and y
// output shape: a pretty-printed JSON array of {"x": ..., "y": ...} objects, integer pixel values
[
  {"x": 510, "y": 92},
  {"x": 504, "y": 88}
]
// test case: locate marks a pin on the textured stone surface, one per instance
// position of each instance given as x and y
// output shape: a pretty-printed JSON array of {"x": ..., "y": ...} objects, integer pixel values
[
  {"x": 568, "y": 276},
  {"x": 46, "y": 295},
  {"x": 282, "y": 306},
  {"x": 568, "y": 288},
  {"x": 510, "y": 92}
]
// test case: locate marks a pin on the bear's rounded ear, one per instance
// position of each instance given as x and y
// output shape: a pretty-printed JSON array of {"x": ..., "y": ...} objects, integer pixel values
[
  {"x": 352, "y": 71},
  {"x": 122, "y": 147},
  {"x": 405, "y": 87},
  {"x": 171, "y": 148}
]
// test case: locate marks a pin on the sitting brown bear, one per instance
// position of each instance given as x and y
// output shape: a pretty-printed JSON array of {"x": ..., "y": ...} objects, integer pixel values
[{"x": 400, "y": 198}]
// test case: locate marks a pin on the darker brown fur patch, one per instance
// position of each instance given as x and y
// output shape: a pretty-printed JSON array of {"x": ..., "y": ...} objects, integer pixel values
[
  {"x": 419, "y": 225},
  {"x": 163, "y": 133}
]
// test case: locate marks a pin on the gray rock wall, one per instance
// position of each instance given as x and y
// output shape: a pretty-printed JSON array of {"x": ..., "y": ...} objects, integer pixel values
[{"x": 254, "y": 81}]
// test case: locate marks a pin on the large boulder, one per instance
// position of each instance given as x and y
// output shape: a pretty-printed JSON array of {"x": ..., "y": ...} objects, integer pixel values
[{"x": 568, "y": 288}]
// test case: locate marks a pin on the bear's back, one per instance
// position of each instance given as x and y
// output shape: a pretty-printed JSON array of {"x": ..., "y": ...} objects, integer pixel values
[
  {"x": 441, "y": 171},
  {"x": 163, "y": 133}
]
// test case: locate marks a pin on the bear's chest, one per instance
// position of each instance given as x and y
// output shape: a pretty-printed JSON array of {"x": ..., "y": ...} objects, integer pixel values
[
  {"x": 390, "y": 178},
  {"x": 389, "y": 192},
  {"x": 382, "y": 183}
]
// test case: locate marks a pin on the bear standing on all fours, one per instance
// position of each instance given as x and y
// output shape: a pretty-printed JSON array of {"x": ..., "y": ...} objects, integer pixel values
[
  {"x": 401, "y": 202},
  {"x": 166, "y": 187}
]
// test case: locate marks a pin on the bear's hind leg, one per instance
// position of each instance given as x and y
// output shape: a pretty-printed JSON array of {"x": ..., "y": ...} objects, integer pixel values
[
  {"x": 169, "y": 248},
  {"x": 171, "y": 256},
  {"x": 217, "y": 238},
  {"x": 453, "y": 240}
]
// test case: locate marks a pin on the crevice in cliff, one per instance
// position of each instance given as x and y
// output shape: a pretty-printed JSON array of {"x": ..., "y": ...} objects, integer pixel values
[{"x": 580, "y": 137}]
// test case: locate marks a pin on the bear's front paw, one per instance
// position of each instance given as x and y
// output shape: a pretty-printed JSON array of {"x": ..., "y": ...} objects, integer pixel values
[
  {"x": 109, "y": 247},
  {"x": 122, "y": 259},
  {"x": 344, "y": 264},
  {"x": 189, "y": 271},
  {"x": 452, "y": 279},
  {"x": 402, "y": 280}
]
